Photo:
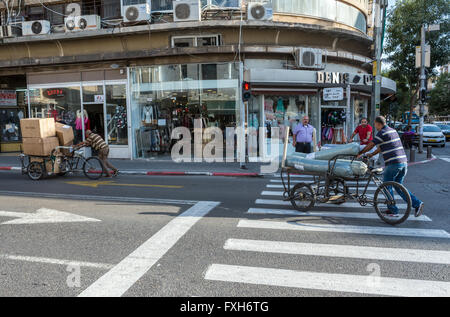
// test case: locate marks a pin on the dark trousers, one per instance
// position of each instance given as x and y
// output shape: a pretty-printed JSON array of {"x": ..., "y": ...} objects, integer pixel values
[{"x": 303, "y": 148}]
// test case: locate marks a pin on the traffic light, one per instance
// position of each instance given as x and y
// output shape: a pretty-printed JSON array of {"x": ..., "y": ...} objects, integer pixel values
[
  {"x": 423, "y": 95},
  {"x": 246, "y": 91}
]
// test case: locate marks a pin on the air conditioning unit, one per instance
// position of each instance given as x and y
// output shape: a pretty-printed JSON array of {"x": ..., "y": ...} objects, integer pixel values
[
  {"x": 139, "y": 11},
  {"x": 82, "y": 23},
  {"x": 187, "y": 10},
  {"x": 35, "y": 27},
  {"x": 260, "y": 11},
  {"x": 5, "y": 31},
  {"x": 10, "y": 30},
  {"x": 310, "y": 58}
]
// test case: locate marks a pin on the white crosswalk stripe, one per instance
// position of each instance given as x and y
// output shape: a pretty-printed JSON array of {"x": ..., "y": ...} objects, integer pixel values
[
  {"x": 344, "y": 205},
  {"x": 326, "y": 281},
  {"x": 341, "y": 251},
  {"x": 366, "y": 230},
  {"x": 337, "y": 214}
]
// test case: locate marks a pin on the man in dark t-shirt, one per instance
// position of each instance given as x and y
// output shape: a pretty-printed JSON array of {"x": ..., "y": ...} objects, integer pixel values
[{"x": 390, "y": 145}]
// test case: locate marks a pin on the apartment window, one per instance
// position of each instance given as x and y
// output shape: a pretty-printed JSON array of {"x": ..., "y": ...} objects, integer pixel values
[
  {"x": 111, "y": 9},
  {"x": 56, "y": 14},
  {"x": 35, "y": 13},
  {"x": 196, "y": 41}
]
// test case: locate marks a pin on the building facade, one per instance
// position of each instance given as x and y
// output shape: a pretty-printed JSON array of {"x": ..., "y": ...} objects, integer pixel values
[{"x": 134, "y": 70}]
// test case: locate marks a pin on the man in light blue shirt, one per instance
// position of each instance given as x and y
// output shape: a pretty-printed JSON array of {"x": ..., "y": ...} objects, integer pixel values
[{"x": 303, "y": 136}]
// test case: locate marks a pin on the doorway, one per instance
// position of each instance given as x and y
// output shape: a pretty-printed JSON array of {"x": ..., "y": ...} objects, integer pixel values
[{"x": 96, "y": 118}]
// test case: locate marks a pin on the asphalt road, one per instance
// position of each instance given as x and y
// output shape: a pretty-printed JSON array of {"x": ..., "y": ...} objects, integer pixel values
[{"x": 194, "y": 236}]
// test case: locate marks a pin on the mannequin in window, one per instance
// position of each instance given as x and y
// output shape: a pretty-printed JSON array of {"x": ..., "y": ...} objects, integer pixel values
[{"x": 147, "y": 114}]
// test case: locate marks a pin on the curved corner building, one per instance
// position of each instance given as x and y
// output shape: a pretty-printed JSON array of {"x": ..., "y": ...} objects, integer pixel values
[{"x": 136, "y": 69}]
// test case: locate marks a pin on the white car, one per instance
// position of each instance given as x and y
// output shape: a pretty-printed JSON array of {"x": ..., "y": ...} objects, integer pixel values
[{"x": 432, "y": 135}]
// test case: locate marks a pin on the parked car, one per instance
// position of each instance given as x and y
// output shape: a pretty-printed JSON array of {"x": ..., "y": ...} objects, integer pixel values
[
  {"x": 432, "y": 135},
  {"x": 445, "y": 129}
]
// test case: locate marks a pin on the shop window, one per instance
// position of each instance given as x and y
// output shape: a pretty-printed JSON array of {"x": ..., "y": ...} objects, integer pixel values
[
  {"x": 61, "y": 103},
  {"x": 175, "y": 97},
  {"x": 116, "y": 114}
]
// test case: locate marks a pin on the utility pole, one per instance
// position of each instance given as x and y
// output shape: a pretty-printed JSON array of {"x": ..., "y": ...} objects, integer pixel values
[
  {"x": 423, "y": 85},
  {"x": 377, "y": 33}
]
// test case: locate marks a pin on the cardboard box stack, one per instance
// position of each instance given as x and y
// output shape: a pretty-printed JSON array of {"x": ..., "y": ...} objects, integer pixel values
[{"x": 41, "y": 136}]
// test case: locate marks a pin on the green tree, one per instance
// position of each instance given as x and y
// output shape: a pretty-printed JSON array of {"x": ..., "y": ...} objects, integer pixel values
[
  {"x": 403, "y": 35},
  {"x": 440, "y": 96}
]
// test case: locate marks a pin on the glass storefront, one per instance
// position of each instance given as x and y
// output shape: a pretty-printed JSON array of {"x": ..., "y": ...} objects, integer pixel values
[
  {"x": 61, "y": 103},
  {"x": 99, "y": 107},
  {"x": 12, "y": 109},
  {"x": 165, "y": 97}
]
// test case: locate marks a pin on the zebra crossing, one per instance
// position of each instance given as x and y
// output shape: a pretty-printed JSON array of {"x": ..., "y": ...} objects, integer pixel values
[{"x": 364, "y": 223}]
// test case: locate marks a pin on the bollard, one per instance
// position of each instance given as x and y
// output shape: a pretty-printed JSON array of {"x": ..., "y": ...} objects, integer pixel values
[
  {"x": 412, "y": 155},
  {"x": 429, "y": 152}
]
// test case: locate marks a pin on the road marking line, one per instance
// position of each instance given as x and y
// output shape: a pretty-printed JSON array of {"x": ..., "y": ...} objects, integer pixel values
[
  {"x": 34, "y": 259},
  {"x": 344, "y": 205},
  {"x": 123, "y": 276},
  {"x": 99, "y": 198},
  {"x": 43, "y": 215},
  {"x": 328, "y": 282},
  {"x": 337, "y": 214},
  {"x": 340, "y": 251},
  {"x": 445, "y": 159},
  {"x": 294, "y": 176},
  {"x": 113, "y": 183},
  {"x": 369, "y": 230}
]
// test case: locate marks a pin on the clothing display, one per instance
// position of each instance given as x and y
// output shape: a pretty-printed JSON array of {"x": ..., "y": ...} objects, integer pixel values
[{"x": 10, "y": 125}]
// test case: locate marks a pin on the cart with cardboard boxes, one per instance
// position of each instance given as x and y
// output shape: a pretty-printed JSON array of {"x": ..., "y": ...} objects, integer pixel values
[{"x": 48, "y": 150}]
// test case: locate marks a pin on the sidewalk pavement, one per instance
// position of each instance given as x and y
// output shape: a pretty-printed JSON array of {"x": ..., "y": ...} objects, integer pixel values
[
  {"x": 161, "y": 166},
  {"x": 166, "y": 167}
]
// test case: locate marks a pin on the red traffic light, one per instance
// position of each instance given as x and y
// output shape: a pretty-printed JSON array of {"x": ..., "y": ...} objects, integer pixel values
[{"x": 246, "y": 86}]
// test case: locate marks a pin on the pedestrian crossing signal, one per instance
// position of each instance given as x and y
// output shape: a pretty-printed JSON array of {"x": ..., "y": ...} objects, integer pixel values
[{"x": 246, "y": 91}]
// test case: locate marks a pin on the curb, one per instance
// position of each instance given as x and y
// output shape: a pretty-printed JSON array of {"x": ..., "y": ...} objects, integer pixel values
[
  {"x": 434, "y": 158},
  {"x": 164, "y": 173}
]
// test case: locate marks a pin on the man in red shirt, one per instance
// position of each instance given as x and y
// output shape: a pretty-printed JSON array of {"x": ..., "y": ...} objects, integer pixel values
[{"x": 365, "y": 132}]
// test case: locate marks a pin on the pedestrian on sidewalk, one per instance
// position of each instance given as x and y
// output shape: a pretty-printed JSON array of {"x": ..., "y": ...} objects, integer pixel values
[
  {"x": 365, "y": 132},
  {"x": 390, "y": 145},
  {"x": 303, "y": 136},
  {"x": 98, "y": 144}
]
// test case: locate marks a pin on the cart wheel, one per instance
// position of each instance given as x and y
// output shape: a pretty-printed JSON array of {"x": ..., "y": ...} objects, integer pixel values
[
  {"x": 93, "y": 168},
  {"x": 383, "y": 199},
  {"x": 302, "y": 197},
  {"x": 35, "y": 171}
]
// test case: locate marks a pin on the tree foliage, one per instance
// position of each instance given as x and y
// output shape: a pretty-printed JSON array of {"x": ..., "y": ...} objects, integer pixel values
[
  {"x": 403, "y": 35},
  {"x": 440, "y": 96}
]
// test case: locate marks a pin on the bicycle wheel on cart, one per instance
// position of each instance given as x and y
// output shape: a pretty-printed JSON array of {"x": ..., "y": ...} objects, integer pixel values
[
  {"x": 392, "y": 197},
  {"x": 93, "y": 168},
  {"x": 302, "y": 197},
  {"x": 35, "y": 171}
]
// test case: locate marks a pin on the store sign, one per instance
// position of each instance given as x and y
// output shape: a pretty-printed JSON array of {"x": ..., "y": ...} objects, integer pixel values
[
  {"x": 54, "y": 93},
  {"x": 333, "y": 94},
  {"x": 99, "y": 98},
  {"x": 336, "y": 78},
  {"x": 8, "y": 98}
]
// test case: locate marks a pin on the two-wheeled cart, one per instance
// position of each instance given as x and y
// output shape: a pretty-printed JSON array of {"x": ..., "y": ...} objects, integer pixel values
[
  {"x": 62, "y": 161},
  {"x": 328, "y": 187}
]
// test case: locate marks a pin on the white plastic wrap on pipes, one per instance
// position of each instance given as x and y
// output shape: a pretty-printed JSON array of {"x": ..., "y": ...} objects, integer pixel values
[
  {"x": 328, "y": 154},
  {"x": 343, "y": 168}
]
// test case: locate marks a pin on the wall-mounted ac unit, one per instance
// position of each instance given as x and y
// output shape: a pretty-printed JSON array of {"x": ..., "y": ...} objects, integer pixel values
[
  {"x": 187, "y": 10},
  {"x": 5, "y": 31},
  {"x": 35, "y": 27},
  {"x": 310, "y": 58},
  {"x": 11, "y": 30},
  {"x": 260, "y": 11},
  {"x": 138, "y": 11},
  {"x": 82, "y": 23}
]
